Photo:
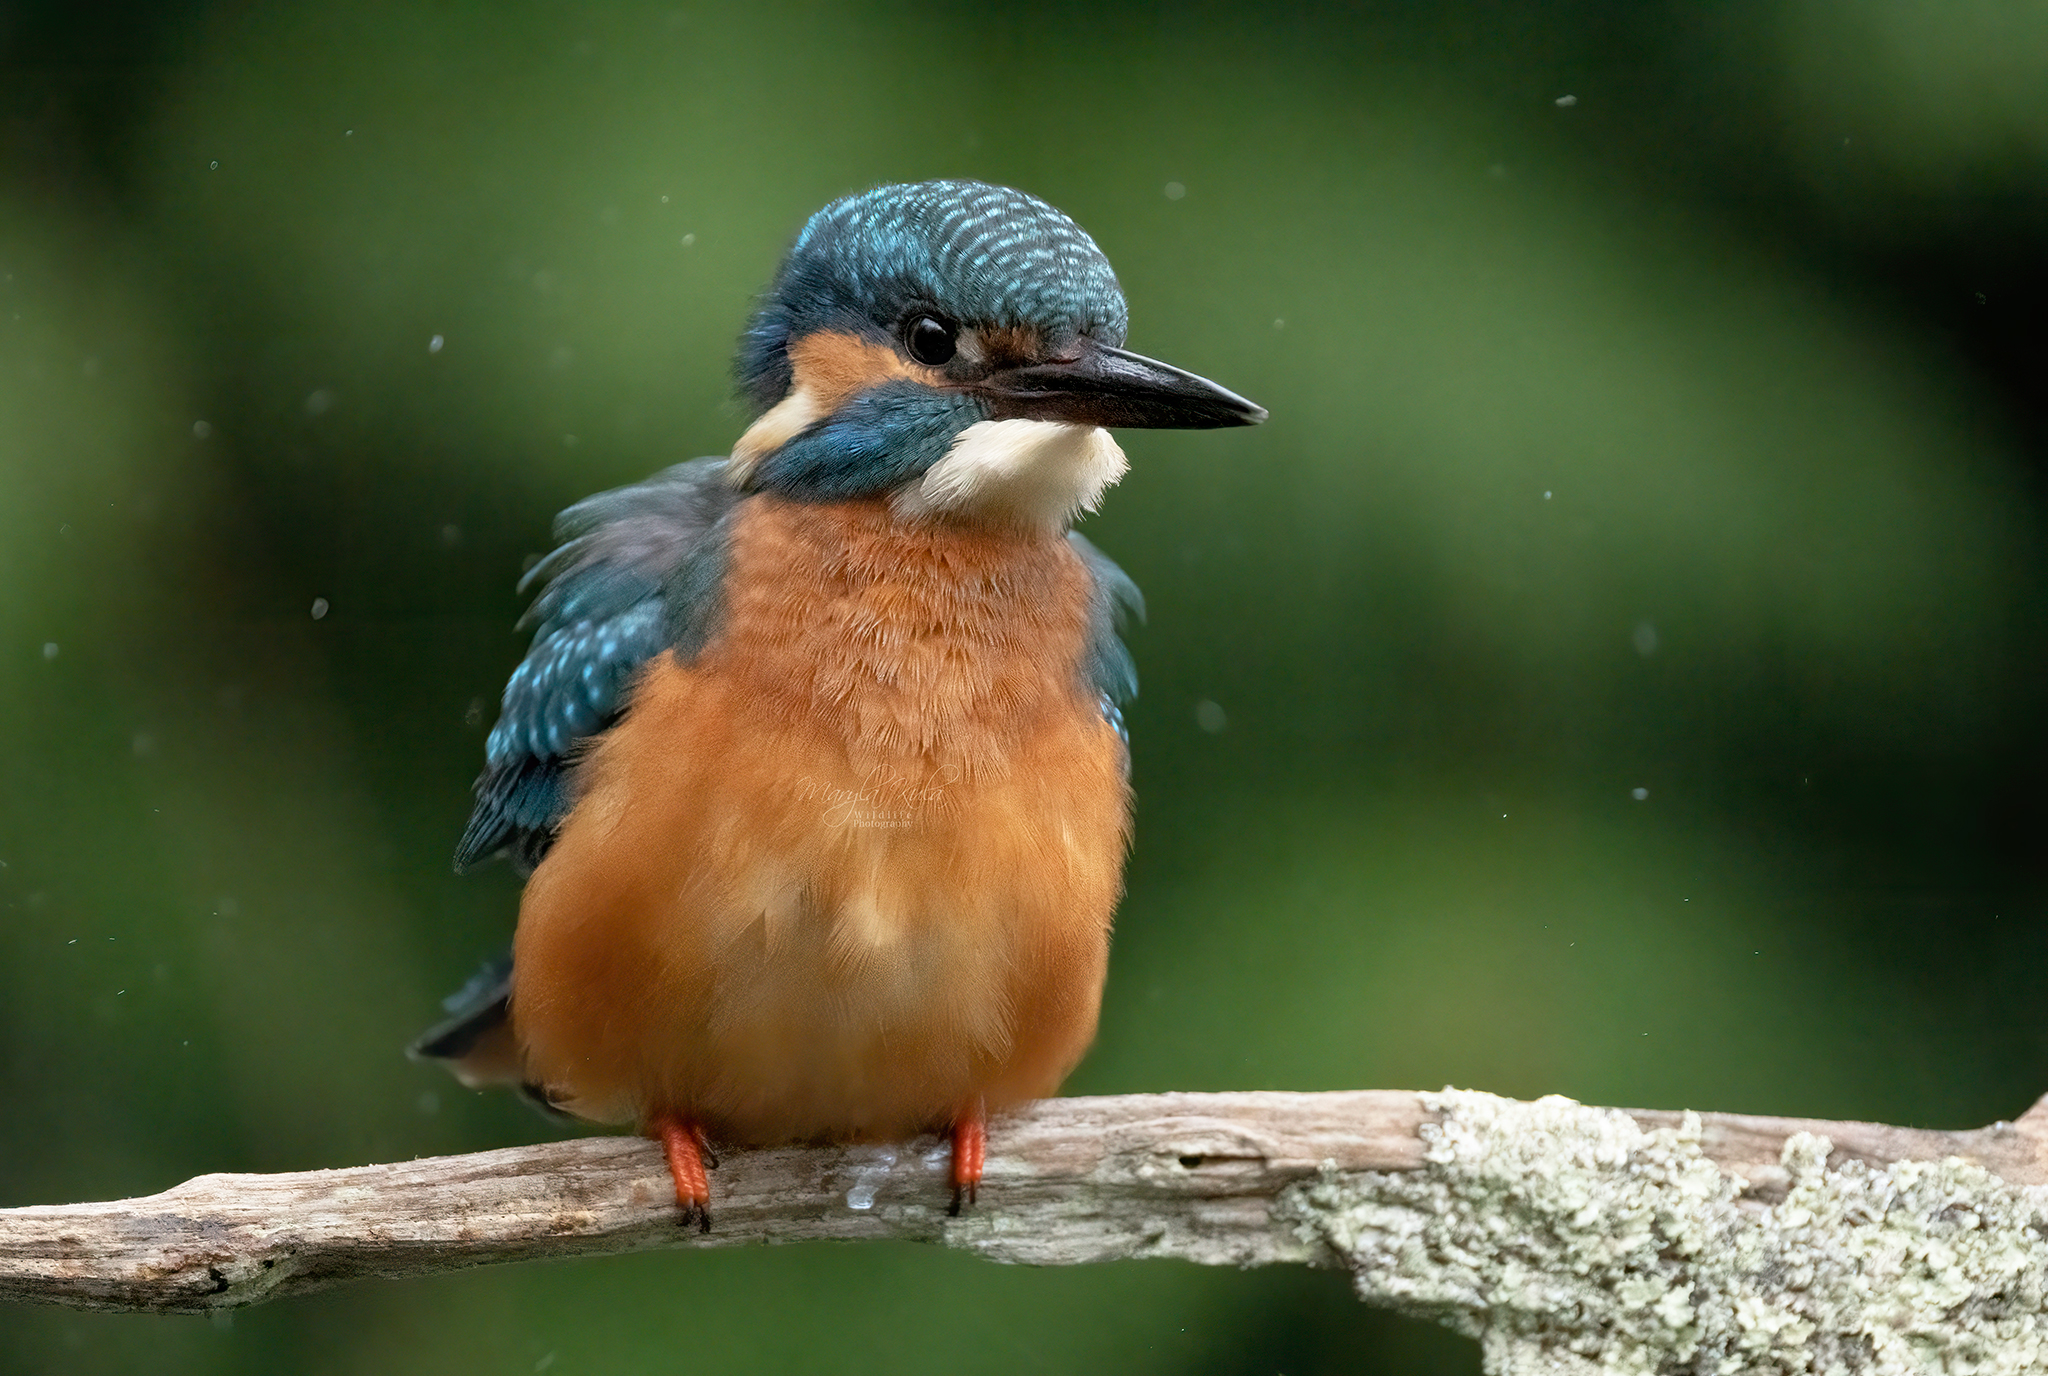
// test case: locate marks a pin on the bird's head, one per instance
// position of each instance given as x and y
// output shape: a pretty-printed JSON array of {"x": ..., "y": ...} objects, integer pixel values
[{"x": 956, "y": 347}]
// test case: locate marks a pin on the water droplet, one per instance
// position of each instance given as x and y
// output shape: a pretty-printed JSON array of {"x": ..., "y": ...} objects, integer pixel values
[
  {"x": 214, "y": 165},
  {"x": 1566, "y": 102},
  {"x": 1209, "y": 716},
  {"x": 1175, "y": 191},
  {"x": 1644, "y": 638},
  {"x": 870, "y": 1178},
  {"x": 319, "y": 402},
  {"x": 689, "y": 239},
  {"x": 200, "y": 429},
  {"x": 49, "y": 649},
  {"x": 319, "y": 608},
  {"x": 434, "y": 344},
  {"x": 1639, "y": 794}
]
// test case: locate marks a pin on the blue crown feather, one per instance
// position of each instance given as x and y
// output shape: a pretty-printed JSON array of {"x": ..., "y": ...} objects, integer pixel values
[{"x": 984, "y": 255}]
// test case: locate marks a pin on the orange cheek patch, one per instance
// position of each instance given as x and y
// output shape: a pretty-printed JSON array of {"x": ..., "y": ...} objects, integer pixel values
[
  {"x": 834, "y": 367},
  {"x": 828, "y": 370}
]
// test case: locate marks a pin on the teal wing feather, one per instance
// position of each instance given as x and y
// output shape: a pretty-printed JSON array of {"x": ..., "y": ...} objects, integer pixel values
[
  {"x": 1114, "y": 605},
  {"x": 636, "y": 574}
]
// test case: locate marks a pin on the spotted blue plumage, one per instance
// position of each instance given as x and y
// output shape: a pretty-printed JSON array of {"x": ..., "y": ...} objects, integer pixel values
[
  {"x": 968, "y": 250},
  {"x": 637, "y": 573}
]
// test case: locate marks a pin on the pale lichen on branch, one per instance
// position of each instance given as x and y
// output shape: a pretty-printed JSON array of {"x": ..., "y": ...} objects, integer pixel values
[{"x": 1570, "y": 1240}]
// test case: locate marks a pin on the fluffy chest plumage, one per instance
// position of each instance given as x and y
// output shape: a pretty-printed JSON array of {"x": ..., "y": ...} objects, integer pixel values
[
  {"x": 855, "y": 864},
  {"x": 906, "y": 642}
]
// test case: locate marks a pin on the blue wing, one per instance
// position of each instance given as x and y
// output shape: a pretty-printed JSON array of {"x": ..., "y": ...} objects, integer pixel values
[
  {"x": 1110, "y": 670},
  {"x": 636, "y": 573}
]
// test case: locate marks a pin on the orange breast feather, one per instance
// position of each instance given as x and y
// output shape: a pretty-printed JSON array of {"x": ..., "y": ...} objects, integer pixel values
[{"x": 855, "y": 865}]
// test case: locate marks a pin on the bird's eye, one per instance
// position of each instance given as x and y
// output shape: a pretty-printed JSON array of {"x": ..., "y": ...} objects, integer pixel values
[{"x": 931, "y": 341}]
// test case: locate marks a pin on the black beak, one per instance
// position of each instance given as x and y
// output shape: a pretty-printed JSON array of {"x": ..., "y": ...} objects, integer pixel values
[{"x": 1106, "y": 386}]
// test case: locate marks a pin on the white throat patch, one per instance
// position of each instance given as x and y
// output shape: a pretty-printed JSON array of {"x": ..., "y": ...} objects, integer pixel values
[{"x": 1018, "y": 472}]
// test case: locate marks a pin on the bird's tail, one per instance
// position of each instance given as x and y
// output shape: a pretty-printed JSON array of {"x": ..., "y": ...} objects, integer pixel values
[{"x": 475, "y": 1040}]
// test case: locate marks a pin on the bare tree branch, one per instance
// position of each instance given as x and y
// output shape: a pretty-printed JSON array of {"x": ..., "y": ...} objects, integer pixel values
[{"x": 1561, "y": 1236}]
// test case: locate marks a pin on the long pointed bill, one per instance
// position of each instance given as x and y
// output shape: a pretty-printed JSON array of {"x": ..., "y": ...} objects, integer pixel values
[{"x": 1112, "y": 387}]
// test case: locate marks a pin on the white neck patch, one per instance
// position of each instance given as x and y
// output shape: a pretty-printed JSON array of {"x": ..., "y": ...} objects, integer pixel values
[{"x": 1018, "y": 472}]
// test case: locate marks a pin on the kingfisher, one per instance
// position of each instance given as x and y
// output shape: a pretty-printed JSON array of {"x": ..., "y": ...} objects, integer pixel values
[{"x": 817, "y": 767}]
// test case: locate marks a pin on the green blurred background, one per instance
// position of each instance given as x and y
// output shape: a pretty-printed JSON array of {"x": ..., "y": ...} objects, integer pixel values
[{"x": 1613, "y": 671}]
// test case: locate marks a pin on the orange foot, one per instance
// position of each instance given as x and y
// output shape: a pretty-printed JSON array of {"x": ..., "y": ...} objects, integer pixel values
[
  {"x": 682, "y": 1142},
  {"x": 970, "y": 1150}
]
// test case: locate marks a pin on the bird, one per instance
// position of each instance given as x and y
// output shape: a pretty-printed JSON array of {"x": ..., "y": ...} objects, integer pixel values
[{"x": 817, "y": 768}]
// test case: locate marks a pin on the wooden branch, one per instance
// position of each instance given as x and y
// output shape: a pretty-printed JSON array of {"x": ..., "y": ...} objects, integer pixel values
[
  {"x": 1071, "y": 1180},
  {"x": 1553, "y": 1232}
]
